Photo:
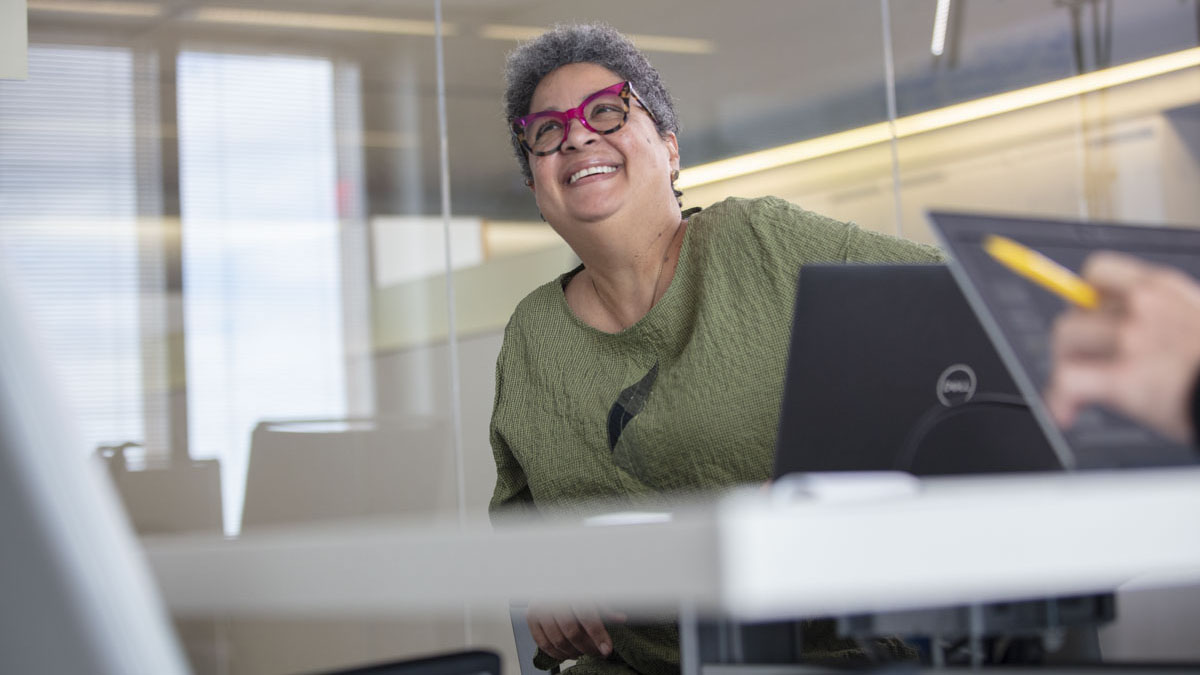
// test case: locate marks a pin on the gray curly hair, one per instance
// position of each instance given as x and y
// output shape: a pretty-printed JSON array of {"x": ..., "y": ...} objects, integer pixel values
[{"x": 596, "y": 43}]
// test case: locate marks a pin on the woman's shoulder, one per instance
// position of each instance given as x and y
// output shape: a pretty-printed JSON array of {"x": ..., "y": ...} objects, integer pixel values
[
  {"x": 778, "y": 225},
  {"x": 749, "y": 205},
  {"x": 770, "y": 222},
  {"x": 764, "y": 211},
  {"x": 541, "y": 301}
]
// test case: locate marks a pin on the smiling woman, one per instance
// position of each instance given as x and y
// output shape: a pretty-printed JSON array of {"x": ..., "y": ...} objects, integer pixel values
[{"x": 654, "y": 368}]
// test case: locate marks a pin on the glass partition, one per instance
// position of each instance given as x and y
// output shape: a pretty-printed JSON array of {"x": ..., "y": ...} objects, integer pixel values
[
  {"x": 228, "y": 221},
  {"x": 1078, "y": 109}
]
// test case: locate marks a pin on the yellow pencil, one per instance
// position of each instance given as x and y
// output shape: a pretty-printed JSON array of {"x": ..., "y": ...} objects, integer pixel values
[{"x": 1042, "y": 271}]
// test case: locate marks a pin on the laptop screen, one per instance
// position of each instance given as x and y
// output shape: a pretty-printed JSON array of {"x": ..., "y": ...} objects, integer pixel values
[
  {"x": 1019, "y": 317},
  {"x": 889, "y": 370}
]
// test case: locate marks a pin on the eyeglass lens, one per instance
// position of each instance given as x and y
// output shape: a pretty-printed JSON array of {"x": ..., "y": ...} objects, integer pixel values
[{"x": 604, "y": 114}]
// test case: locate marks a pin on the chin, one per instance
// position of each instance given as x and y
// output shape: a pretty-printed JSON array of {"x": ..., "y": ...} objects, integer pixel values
[
  {"x": 590, "y": 216},
  {"x": 591, "y": 212}
]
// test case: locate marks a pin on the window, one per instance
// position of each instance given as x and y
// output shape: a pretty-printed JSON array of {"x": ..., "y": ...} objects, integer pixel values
[
  {"x": 261, "y": 261},
  {"x": 68, "y": 228}
]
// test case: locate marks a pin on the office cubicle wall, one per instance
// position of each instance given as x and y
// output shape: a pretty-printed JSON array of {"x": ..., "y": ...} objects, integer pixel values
[{"x": 225, "y": 216}]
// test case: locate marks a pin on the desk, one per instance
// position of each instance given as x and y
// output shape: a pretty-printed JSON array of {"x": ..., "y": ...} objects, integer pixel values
[{"x": 751, "y": 555}]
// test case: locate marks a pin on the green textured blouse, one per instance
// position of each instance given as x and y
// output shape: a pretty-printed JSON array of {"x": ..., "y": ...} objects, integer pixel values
[{"x": 685, "y": 400}]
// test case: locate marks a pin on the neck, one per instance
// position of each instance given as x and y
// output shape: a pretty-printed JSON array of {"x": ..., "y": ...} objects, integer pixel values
[{"x": 628, "y": 282}]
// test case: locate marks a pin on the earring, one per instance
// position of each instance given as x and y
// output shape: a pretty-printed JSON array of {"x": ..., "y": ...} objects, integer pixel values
[{"x": 674, "y": 175}]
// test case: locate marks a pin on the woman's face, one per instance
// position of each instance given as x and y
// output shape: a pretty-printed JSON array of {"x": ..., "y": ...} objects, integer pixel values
[{"x": 637, "y": 160}]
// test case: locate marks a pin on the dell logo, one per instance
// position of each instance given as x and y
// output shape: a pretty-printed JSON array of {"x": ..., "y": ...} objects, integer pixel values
[{"x": 956, "y": 385}]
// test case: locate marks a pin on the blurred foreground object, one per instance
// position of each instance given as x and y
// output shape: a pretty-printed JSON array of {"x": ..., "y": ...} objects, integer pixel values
[{"x": 1139, "y": 354}]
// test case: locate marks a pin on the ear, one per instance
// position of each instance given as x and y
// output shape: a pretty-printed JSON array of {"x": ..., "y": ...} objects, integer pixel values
[
  {"x": 672, "y": 144},
  {"x": 529, "y": 184}
]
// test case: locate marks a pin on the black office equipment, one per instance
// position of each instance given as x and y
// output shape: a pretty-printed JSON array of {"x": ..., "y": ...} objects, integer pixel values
[
  {"x": 1019, "y": 315},
  {"x": 890, "y": 370}
]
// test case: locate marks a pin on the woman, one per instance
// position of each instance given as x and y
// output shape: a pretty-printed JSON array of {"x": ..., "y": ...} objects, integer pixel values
[{"x": 656, "y": 366}]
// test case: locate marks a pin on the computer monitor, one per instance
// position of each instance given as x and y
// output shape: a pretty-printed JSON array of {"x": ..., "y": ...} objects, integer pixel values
[
  {"x": 77, "y": 594},
  {"x": 890, "y": 370}
]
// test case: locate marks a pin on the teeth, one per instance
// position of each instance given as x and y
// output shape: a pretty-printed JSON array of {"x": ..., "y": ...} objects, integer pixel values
[{"x": 589, "y": 171}]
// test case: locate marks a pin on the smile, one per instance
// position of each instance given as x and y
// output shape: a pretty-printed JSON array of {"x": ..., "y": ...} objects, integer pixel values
[{"x": 590, "y": 171}]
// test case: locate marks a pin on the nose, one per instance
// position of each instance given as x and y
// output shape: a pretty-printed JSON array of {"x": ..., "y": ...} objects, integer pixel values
[{"x": 577, "y": 134}]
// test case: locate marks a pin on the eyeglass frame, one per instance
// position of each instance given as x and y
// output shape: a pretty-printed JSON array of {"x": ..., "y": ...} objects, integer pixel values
[{"x": 623, "y": 89}]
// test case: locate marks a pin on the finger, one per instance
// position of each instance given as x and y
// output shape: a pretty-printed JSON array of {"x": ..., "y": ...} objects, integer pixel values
[
  {"x": 1115, "y": 273},
  {"x": 611, "y": 614},
  {"x": 619, "y": 617},
  {"x": 550, "y": 636},
  {"x": 1089, "y": 334},
  {"x": 1076, "y": 385},
  {"x": 544, "y": 642},
  {"x": 577, "y": 638},
  {"x": 1062, "y": 408},
  {"x": 589, "y": 618}
]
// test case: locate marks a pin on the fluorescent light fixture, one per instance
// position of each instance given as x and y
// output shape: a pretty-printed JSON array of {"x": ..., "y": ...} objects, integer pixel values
[
  {"x": 495, "y": 31},
  {"x": 314, "y": 21},
  {"x": 939, "y": 118},
  {"x": 940, "y": 15},
  {"x": 675, "y": 45},
  {"x": 140, "y": 9},
  {"x": 783, "y": 155},
  {"x": 650, "y": 43}
]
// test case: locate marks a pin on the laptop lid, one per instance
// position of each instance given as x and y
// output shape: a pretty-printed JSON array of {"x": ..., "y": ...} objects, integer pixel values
[
  {"x": 1019, "y": 315},
  {"x": 889, "y": 369}
]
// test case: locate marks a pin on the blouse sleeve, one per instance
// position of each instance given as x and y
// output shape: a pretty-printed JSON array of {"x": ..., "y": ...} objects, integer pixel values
[
  {"x": 876, "y": 247},
  {"x": 791, "y": 236}
]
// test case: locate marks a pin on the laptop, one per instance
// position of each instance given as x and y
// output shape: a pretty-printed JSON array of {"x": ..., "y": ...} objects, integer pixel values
[
  {"x": 889, "y": 369},
  {"x": 1019, "y": 315}
]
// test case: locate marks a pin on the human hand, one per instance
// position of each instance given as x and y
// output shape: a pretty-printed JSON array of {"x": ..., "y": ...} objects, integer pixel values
[
  {"x": 1138, "y": 354},
  {"x": 568, "y": 631}
]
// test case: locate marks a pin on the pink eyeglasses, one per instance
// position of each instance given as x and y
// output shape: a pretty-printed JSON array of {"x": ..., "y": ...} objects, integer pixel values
[{"x": 542, "y": 133}]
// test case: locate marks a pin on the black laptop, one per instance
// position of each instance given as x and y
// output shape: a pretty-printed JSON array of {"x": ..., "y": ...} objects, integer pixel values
[{"x": 890, "y": 370}]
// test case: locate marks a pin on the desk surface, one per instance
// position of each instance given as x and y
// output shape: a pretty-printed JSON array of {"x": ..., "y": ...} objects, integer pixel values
[{"x": 753, "y": 555}]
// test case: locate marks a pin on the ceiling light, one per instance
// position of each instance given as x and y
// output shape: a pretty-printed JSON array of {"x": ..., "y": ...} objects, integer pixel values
[
  {"x": 650, "y": 43},
  {"x": 676, "y": 45},
  {"x": 939, "y": 118},
  {"x": 108, "y": 8},
  {"x": 502, "y": 32},
  {"x": 783, "y": 155},
  {"x": 314, "y": 21},
  {"x": 940, "y": 16}
]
